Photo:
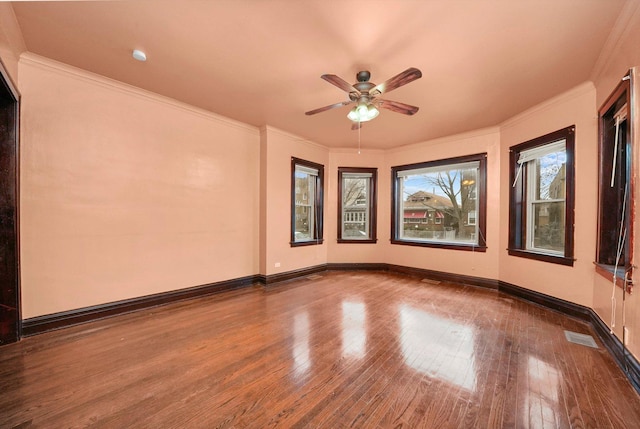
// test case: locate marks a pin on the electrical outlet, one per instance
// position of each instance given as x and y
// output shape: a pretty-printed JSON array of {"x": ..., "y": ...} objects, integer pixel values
[
  {"x": 626, "y": 336},
  {"x": 277, "y": 264}
]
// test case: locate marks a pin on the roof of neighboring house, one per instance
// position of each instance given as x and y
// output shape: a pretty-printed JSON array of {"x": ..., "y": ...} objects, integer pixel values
[{"x": 421, "y": 200}]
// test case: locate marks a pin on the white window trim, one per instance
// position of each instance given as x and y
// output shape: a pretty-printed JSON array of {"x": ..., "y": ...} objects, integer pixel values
[{"x": 529, "y": 157}]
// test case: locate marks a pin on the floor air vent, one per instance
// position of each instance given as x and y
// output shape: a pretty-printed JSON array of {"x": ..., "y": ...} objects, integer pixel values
[
  {"x": 582, "y": 339},
  {"x": 431, "y": 281},
  {"x": 314, "y": 277}
]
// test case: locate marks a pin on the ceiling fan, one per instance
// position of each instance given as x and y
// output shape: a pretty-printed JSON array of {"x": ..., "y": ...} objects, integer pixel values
[{"x": 364, "y": 95}]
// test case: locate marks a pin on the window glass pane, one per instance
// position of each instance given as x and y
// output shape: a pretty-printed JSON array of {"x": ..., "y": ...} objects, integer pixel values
[
  {"x": 355, "y": 207},
  {"x": 550, "y": 176},
  {"x": 546, "y": 220},
  {"x": 438, "y": 204},
  {"x": 548, "y": 226},
  {"x": 304, "y": 202}
]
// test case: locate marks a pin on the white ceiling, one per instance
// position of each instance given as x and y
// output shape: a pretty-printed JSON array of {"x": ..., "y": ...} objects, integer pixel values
[{"x": 260, "y": 61}]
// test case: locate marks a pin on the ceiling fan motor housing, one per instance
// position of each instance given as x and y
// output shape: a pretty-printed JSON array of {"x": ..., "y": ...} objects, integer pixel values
[{"x": 363, "y": 76}]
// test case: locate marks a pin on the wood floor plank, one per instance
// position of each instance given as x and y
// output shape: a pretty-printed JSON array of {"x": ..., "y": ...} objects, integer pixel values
[{"x": 344, "y": 349}]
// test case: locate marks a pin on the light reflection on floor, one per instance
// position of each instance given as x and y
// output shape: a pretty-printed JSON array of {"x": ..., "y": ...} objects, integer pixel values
[
  {"x": 542, "y": 398},
  {"x": 438, "y": 347},
  {"x": 301, "y": 356},
  {"x": 354, "y": 330}
]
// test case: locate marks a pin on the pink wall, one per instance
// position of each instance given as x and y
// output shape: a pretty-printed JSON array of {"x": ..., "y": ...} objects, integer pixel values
[
  {"x": 358, "y": 252},
  {"x": 575, "y": 284},
  {"x": 125, "y": 193},
  {"x": 277, "y": 148},
  {"x": 477, "y": 264}
]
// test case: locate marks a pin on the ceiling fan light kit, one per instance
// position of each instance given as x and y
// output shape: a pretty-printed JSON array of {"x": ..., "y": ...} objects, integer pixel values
[
  {"x": 363, "y": 113},
  {"x": 365, "y": 94}
]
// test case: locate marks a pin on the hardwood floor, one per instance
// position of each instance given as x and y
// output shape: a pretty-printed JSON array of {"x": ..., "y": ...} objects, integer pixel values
[{"x": 347, "y": 349}]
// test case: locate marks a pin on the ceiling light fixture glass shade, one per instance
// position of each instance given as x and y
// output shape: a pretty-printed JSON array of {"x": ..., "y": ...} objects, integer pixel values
[{"x": 363, "y": 113}]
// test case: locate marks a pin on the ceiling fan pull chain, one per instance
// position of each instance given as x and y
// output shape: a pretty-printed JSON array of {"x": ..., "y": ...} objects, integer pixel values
[{"x": 359, "y": 131}]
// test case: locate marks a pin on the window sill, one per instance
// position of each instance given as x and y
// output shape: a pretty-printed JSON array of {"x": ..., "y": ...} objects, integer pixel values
[
  {"x": 367, "y": 241},
  {"x": 607, "y": 271},
  {"x": 451, "y": 246},
  {"x": 545, "y": 257},
  {"x": 306, "y": 243}
]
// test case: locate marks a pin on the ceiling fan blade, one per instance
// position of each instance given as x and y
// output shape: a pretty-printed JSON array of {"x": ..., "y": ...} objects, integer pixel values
[
  {"x": 407, "y": 76},
  {"x": 325, "y": 108},
  {"x": 340, "y": 83},
  {"x": 356, "y": 125},
  {"x": 405, "y": 109}
]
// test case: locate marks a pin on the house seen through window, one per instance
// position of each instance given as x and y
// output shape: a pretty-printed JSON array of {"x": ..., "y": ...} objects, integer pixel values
[
  {"x": 357, "y": 205},
  {"x": 436, "y": 203}
]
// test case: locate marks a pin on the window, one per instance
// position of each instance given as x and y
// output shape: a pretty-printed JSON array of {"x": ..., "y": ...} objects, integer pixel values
[
  {"x": 615, "y": 196},
  {"x": 445, "y": 192},
  {"x": 471, "y": 217},
  {"x": 306, "y": 202},
  {"x": 541, "y": 201},
  {"x": 357, "y": 205}
]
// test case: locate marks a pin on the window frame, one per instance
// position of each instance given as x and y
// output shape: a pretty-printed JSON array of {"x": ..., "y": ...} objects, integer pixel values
[
  {"x": 519, "y": 207},
  {"x": 625, "y": 269},
  {"x": 372, "y": 203},
  {"x": 481, "y": 214},
  {"x": 318, "y": 208}
]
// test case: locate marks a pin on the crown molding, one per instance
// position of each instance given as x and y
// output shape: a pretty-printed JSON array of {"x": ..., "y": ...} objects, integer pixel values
[
  {"x": 296, "y": 138},
  {"x": 575, "y": 92},
  {"x": 482, "y": 132},
  {"x": 619, "y": 32},
  {"x": 43, "y": 63}
]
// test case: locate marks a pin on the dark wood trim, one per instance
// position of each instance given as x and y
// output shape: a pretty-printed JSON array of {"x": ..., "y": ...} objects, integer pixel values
[
  {"x": 625, "y": 360},
  {"x": 561, "y": 260},
  {"x": 623, "y": 89},
  {"x": 481, "y": 192},
  {"x": 291, "y": 275},
  {"x": 319, "y": 203},
  {"x": 306, "y": 243},
  {"x": 569, "y": 308},
  {"x": 450, "y": 246},
  {"x": 417, "y": 272},
  {"x": 518, "y": 199},
  {"x": 444, "y": 276},
  {"x": 373, "y": 204},
  {"x": 13, "y": 200},
  {"x": 606, "y": 271},
  {"x": 65, "y": 319},
  {"x": 358, "y": 266},
  {"x": 348, "y": 241}
]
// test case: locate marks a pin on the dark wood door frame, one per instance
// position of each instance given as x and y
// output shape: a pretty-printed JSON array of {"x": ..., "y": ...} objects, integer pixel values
[{"x": 10, "y": 303}]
